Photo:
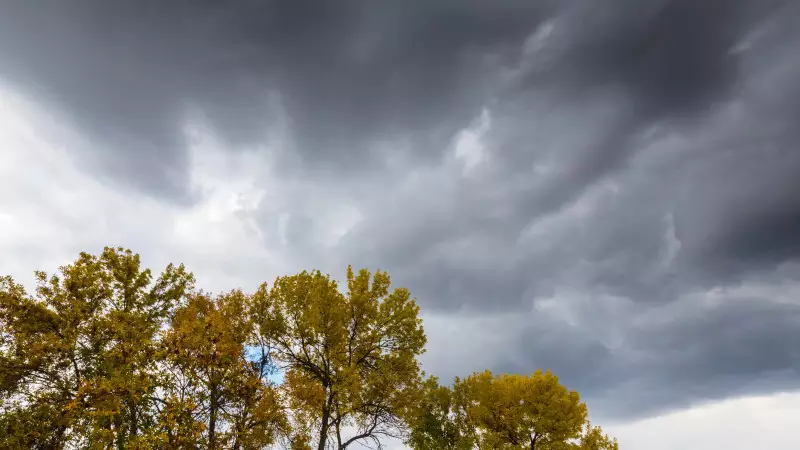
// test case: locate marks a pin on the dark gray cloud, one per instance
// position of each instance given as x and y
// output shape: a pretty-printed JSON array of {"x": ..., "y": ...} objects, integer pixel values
[
  {"x": 744, "y": 346},
  {"x": 629, "y": 158},
  {"x": 349, "y": 74}
]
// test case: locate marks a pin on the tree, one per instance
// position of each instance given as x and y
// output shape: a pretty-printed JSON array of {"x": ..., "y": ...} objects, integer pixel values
[
  {"x": 438, "y": 421},
  {"x": 76, "y": 360},
  {"x": 101, "y": 356},
  {"x": 36, "y": 382},
  {"x": 350, "y": 360},
  {"x": 216, "y": 388},
  {"x": 512, "y": 412},
  {"x": 594, "y": 439},
  {"x": 519, "y": 411}
]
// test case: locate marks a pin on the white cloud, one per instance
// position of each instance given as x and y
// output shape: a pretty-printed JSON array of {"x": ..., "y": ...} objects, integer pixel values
[
  {"x": 737, "y": 424},
  {"x": 468, "y": 147},
  {"x": 51, "y": 210}
]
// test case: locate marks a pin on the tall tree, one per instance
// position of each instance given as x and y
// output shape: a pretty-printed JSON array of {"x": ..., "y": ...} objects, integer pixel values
[
  {"x": 350, "y": 359},
  {"x": 77, "y": 358},
  {"x": 38, "y": 375},
  {"x": 222, "y": 391}
]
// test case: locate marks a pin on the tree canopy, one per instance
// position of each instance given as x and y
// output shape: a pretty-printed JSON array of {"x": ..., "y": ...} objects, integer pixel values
[
  {"x": 103, "y": 355},
  {"x": 508, "y": 411}
]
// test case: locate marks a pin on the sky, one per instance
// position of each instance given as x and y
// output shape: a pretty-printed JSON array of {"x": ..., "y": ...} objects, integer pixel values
[{"x": 605, "y": 189}]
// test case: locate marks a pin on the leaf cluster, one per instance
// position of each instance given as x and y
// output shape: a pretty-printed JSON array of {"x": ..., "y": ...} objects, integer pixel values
[{"x": 105, "y": 355}]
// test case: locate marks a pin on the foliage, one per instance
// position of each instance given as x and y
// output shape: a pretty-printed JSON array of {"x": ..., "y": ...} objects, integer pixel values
[
  {"x": 104, "y": 356},
  {"x": 509, "y": 411},
  {"x": 438, "y": 420},
  {"x": 78, "y": 357},
  {"x": 219, "y": 389},
  {"x": 519, "y": 411},
  {"x": 350, "y": 359},
  {"x": 594, "y": 439}
]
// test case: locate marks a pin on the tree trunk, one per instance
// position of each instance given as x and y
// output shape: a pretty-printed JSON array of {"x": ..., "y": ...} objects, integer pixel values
[
  {"x": 326, "y": 417},
  {"x": 212, "y": 420},
  {"x": 323, "y": 431},
  {"x": 339, "y": 435},
  {"x": 120, "y": 432},
  {"x": 134, "y": 419}
]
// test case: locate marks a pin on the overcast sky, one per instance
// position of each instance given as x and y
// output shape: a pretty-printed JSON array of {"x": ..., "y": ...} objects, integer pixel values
[{"x": 610, "y": 190}]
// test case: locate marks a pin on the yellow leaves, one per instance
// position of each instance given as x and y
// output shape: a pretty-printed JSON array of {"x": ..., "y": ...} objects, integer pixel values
[
  {"x": 300, "y": 442},
  {"x": 506, "y": 411},
  {"x": 176, "y": 426},
  {"x": 209, "y": 333},
  {"x": 305, "y": 392},
  {"x": 516, "y": 409},
  {"x": 86, "y": 342},
  {"x": 435, "y": 420},
  {"x": 263, "y": 422},
  {"x": 350, "y": 357},
  {"x": 104, "y": 355},
  {"x": 594, "y": 439},
  {"x": 206, "y": 347}
]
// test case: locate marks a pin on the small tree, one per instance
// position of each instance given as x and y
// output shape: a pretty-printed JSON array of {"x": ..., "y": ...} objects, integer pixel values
[
  {"x": 519, "y": 411},
  {"x": 438, "y": 420},
  {"x": 350, "y": 360},
  {"x": 513, "y": 412},
  {"x": 594, "y": 439}
]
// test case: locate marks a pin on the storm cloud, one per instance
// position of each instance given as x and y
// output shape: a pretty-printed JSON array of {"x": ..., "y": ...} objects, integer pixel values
[{"x": 606, "y": 189}]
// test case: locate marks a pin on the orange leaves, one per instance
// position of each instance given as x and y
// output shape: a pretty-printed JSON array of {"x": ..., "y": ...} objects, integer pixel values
[
  {"x": 205, "y": 346},
  {"x": 209, "y": 333}
]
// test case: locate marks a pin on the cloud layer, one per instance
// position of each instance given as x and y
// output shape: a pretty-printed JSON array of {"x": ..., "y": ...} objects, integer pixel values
[{"x": 607, "y": 190}]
